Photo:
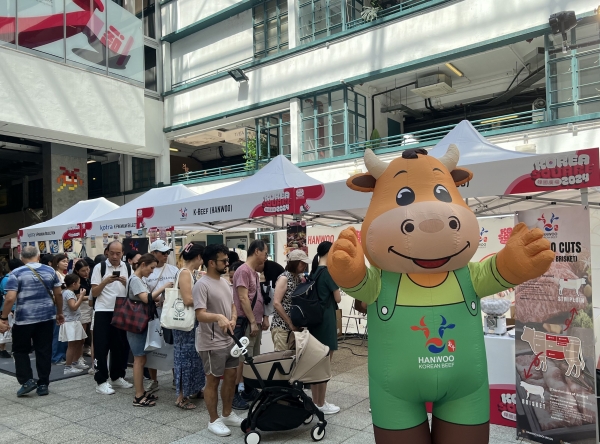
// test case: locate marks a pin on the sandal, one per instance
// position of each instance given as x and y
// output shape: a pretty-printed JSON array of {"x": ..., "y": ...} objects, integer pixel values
[
  {"x": 185, "y": 404},
  {"x": 143, "y": 401},
  {"x": 151, "y": 396}
]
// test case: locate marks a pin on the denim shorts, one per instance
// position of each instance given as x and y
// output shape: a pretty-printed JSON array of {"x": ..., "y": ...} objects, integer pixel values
[{"x": 137, "y": 343}]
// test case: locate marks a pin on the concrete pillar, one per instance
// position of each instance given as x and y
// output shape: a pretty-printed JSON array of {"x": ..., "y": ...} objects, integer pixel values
[
  {"x": 293, "y": 29},
  {"x": 166, "y": 63},
  {"x": 65, "y": 177},
  {"x": 295, "y": 131},
  {"x": 126, "y": 173},
  {"x": 163, "y": 165}
]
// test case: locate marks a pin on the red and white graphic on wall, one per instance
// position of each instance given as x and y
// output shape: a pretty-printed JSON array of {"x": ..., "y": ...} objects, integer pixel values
[{"x": 97, "y": 33}]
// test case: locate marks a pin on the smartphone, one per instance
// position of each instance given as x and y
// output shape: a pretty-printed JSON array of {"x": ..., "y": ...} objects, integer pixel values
[{"x": 116, "y": 273}]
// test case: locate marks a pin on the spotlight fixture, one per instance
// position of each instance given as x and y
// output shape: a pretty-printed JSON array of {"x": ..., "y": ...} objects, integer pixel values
[
  {"x": 174, "y": 149},
  {"x": 91, "y": 161},
  {"x": 238, "y": 75},
  {"x": 454, "y": 69},
  {"x": 561, "y": 23}
]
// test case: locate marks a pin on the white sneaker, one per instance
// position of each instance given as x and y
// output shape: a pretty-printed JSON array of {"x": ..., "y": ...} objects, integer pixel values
[
  {"x": 104, "y": 389},
  {"x": 81, "y": 364},
  {"x": 218, "y": 428},
  {"x": 329, "y": 409},
  {"x": 91, "y": 372},
  {"x": 121, "y": 383},
  {"x": 71, "y": 370},
  {"x": 152, "y": 387},
  {"x": 232, "y": 420}
]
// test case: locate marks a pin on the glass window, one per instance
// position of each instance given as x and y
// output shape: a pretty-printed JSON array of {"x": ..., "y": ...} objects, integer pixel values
[
  {"x": 8, "y": 10},
  {"x": 275, "y": 135},
  {"x": 143, "y": 173},
  {"x": 48, "y": 39},
  {"x": 270, "y": 27},
  {"x": 321, "y": 18},
  {"x": 150, "y": 80},
  {"x": 124, "y": 41},
  {"x": 87, "y": 48},
  {"x": 36, "y": 193},
  {"x": 324, "y": 119},
  {"x": 149, "y": 19}
]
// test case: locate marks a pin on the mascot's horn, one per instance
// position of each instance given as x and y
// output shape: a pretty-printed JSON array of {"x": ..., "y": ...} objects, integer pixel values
[
  {"x": 450, "y": 159},
  {"x": 375, "y": 166}
]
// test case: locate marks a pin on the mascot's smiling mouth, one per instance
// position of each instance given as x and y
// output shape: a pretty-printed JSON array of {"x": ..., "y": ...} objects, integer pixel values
[{"x": 430, "y": 263}]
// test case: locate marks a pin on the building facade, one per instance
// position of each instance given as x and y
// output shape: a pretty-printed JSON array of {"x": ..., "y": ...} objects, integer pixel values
[
  {"x": 82, "y": 112},
  {"x": 321, "y": 80}
]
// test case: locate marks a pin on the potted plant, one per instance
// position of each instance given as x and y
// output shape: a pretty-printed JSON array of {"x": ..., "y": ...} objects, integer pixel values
[{"x": 369, "y": 13}]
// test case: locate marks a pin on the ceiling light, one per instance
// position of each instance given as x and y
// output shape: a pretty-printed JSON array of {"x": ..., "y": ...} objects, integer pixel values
[
  {"x": 454, "y": 69},
  {"x": 174, "y": 149},
  {"x": 91, "y": 161},
  {"x": 238, "y": 75},
  {"x": 498, "y": 119}
]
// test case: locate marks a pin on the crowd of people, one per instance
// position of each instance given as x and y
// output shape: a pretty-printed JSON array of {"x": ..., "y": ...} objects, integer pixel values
[{"x": 63, "y": 311}]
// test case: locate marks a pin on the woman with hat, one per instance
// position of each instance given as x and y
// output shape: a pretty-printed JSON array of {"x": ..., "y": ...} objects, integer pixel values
[{"x": 282, "y": 326}]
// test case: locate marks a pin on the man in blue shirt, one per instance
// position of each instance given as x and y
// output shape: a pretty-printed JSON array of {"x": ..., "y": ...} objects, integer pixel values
[
  {"x": 13, "y": 264},
  {"x": 36, "y": 289}
]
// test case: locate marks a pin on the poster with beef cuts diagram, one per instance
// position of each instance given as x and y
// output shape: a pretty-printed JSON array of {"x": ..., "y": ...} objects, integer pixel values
[{"x": 554, "y": 341}]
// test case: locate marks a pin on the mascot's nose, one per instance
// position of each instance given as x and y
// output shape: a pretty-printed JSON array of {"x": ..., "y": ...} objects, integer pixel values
[{"x": 431, "y": 226}]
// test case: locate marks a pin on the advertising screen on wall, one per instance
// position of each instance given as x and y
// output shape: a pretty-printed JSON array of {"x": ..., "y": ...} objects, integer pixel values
[{"x": 554, "y": 342}]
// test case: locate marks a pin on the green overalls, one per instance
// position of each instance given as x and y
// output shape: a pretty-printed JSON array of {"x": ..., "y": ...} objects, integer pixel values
[{"x": 426, "y": 344}]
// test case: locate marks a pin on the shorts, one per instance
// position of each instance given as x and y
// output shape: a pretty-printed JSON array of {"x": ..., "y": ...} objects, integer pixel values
[
  {"x": 283, "y": 339},
  {"x": 137, "y": 343},
  {"x": 255, "y": 342},
  {"x": 86, "y": 314},
  {"x": 71, "y": 331},
  {"x": 217, "y": 361}
]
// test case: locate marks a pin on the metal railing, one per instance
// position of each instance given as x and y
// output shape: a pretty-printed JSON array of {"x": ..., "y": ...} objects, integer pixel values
[
  {"x": 213, "y": 173},
  {"x": 404, "y": 6},
  {"x": 438, "y": 133}
]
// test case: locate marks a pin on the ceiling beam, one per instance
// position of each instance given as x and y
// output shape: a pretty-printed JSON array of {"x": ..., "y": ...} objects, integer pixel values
[{"x": 532, "y": 78}]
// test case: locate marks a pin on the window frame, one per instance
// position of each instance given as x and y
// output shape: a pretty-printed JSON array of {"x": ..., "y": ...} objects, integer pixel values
[{"x": 282, "y": 45}]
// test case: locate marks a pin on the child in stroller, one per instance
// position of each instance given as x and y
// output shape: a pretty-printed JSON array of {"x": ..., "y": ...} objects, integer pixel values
[{"x": 282, "y": 403}]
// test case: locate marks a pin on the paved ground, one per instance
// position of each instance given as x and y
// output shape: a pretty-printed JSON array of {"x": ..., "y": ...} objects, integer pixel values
[{"x": 74, "y": 413}]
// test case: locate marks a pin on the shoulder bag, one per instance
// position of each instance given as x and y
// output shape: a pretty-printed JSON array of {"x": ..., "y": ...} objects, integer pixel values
[
  {"x": 37, "y": 275},
  {"x": 130, "y": 315},
  {"x": 175, "y": 314}
]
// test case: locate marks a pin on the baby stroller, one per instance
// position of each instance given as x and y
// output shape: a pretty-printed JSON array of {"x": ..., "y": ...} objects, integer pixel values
[{"x": 282, "y": 403}]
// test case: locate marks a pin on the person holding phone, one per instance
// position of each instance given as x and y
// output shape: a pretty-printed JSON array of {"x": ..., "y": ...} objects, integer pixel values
[
  {"x": 107, "y": 338},
  {"x": 216, "y": 313},
  {"x": 72, "y": 331}
]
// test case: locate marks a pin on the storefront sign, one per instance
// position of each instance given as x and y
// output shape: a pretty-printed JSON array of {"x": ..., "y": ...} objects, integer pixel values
[{"x": 556, "y": 399}]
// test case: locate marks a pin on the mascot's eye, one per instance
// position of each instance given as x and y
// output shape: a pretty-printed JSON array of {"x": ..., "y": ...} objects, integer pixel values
[
  {"x": 454, "y": 223},
  {"x": 407, "y": 226},
  {"x": 441, "y": 193},
  {"x": 405, "y": 196}
]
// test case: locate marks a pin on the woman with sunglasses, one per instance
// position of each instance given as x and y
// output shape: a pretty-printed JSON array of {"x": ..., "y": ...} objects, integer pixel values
[{"x": 189, "y": 371}]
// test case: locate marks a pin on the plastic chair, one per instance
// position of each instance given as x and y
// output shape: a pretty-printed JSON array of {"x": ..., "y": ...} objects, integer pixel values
[{"x": 358, "y": 318}]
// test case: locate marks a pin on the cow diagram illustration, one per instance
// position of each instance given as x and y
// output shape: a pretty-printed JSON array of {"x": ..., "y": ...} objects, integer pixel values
[
  {"x": 555, "y": 347},
  {"x": 533, "y": 390},
  {"x": 571, "y": 284}
]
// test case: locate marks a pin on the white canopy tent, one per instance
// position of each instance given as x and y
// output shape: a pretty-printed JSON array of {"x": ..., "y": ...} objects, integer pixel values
[
  {"x": 67, "y": 224},
  {"x": 280, "y": 188},
  {"x": 123, "y": 218}
]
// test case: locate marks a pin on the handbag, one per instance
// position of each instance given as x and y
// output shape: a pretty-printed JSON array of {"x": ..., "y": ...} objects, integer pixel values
[
  {"x": 306, "y": 309},
  {"x": 154, "y": 339},
  {"x": 175, "y": 314},
  {"x": 131, "y": 316}
]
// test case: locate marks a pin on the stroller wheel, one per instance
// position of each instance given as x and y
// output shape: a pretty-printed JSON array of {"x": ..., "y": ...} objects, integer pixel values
[
  {"x": 309, "y": 419},
  {"x": 245, "y": 426},
  {"x": 317, "y": 433},
  {"x": 252, "y": 437}
]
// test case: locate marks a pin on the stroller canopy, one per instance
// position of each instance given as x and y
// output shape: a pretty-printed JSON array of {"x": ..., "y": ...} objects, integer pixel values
[{"x": 312, "y": 360}]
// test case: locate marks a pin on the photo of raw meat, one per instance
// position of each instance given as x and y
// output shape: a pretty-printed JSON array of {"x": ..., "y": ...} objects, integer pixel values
[{"x": 541, "y": 296}]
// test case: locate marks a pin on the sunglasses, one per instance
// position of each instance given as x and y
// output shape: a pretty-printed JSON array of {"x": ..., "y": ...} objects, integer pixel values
[{"x": 165, "y": 253}]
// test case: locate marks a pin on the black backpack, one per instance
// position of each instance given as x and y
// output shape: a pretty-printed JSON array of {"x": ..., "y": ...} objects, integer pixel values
[{"x": 306, "y": 310}]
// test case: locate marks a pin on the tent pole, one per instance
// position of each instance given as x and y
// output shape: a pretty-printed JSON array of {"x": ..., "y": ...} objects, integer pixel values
[{"x": 584, "y": 196}]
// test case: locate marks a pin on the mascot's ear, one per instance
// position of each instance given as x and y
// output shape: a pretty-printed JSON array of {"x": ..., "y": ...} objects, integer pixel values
[
  {"x": 461, "y": 176},
  {"x": 365, "y": 183}
]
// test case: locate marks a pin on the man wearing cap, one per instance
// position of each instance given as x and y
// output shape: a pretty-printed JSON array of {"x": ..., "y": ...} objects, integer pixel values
[
  {"x": 282, "y": 326},
  {"x": 162, "y": 274}
]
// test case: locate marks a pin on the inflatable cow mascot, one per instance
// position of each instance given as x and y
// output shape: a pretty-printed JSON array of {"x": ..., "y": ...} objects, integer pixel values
[{"x": 425, "y": 329}]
